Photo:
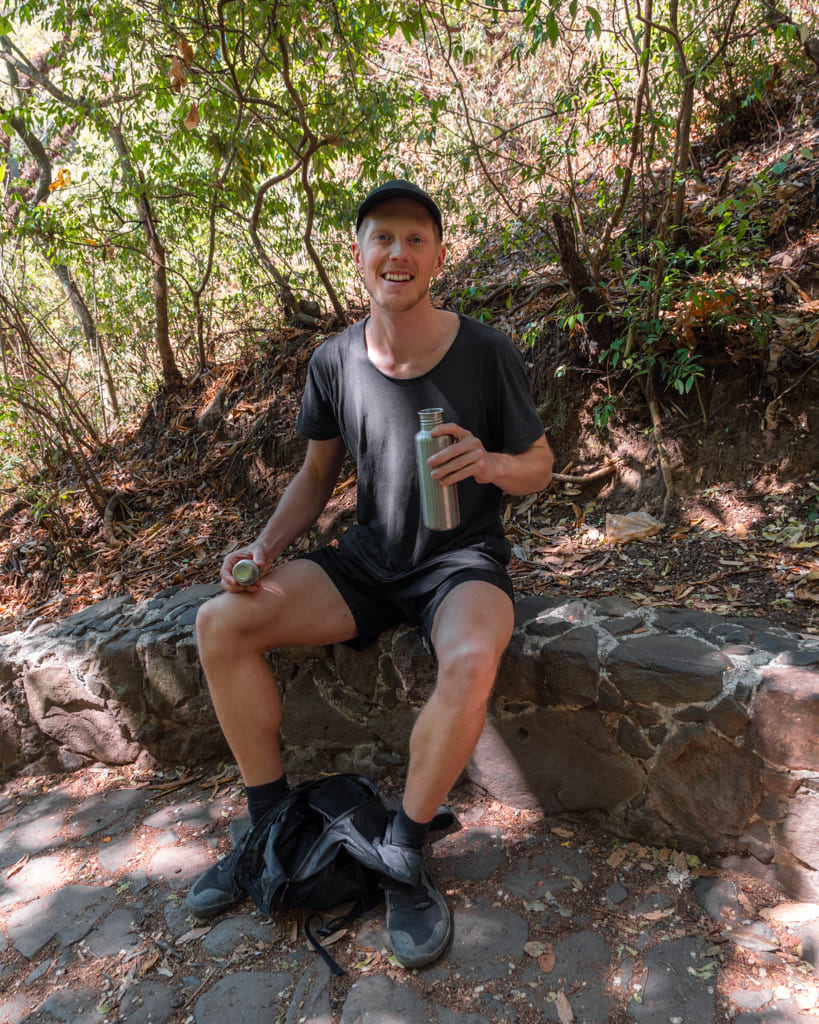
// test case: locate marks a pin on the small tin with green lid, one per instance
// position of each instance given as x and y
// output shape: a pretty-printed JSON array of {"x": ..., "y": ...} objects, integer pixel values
[{"x": 246, "y": 572}]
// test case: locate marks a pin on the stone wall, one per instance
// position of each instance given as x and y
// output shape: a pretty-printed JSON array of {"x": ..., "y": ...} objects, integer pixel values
[{"x": 670, "y": 726}]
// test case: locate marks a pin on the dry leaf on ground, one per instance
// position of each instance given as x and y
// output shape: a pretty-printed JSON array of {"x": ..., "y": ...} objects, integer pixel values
[
  {"x": 546, "y": 960},
  {"x": 564, "y": 1009}
]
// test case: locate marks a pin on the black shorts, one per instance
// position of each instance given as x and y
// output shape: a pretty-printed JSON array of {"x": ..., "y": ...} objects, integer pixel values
[{"x": 382, "y": 600}]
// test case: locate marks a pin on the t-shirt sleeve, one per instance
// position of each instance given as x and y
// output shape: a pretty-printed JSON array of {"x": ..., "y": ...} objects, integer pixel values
[
  {"x": 517, "y": 422},
  {"x": 317, "y": 419}
]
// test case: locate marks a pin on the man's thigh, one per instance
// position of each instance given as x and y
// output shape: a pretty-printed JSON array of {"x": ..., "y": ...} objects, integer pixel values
[
  {"x": 297, "y": 604},
  {"x": 475, "y": 619}
]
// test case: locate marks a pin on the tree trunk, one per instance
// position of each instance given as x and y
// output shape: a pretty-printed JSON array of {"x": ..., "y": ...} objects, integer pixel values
[
  {"x": 684, "y": 137},
  {"x": 308, "y": 241},
  {"x": 110, "y": 402},
  {"x": 286, "y": 296},
  {"x": 110, "y": 405},
  {"x": 170, "y": 372},
  {"x": 156, "y": 251},
  {"x": 595, "y": 307},
  {"x": 69, "y": 285}
]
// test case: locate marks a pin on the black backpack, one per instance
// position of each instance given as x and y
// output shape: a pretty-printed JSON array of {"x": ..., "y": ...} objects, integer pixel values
[{"x": 315, "y": 850}]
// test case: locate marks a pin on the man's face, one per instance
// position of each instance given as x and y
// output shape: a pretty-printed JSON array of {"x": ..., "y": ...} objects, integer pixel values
[{"x": 398, "y": 251}]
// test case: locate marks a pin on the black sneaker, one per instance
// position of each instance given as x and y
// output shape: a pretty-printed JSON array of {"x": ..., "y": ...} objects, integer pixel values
[
  {"x": 418, "y": 918},
  {"x": 217, "y": 889}
]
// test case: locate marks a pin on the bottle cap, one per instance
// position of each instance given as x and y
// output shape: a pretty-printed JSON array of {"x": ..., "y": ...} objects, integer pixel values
[{"x": 245, "y": 572}]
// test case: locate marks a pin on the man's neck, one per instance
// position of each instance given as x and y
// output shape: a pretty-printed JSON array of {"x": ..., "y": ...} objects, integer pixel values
[{"x": 411, "y": 343}]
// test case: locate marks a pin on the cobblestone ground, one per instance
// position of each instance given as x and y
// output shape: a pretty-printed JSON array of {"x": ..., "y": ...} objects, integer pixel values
[{"x": 554, "y": 920}]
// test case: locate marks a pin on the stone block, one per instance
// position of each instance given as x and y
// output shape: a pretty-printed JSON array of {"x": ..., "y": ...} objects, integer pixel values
[
  {"x": 520, "y": 674},
  {"x": 785, "y": 715},
  {"x": 557, "y": 760},
  {"x": 624, "y": 626},
  {"x": 703, "y": 785},
  {"x": 169, "y": 680},
  {"x": 533, "y": 605},
  {"x": 799, "y": 832},
  {"x": 632, "y": 739},
  {"x": 546, "y": 626},
  {"x": 729, "y": 716},
  {"x": 571, "y": 667},
  {"x": 393, "y": 729},
  {"x": 675, "y": 620},
  {"x": 11, "y": 747},
  {"x": 781, "y": 782},
  {"x": 359, "y": 670},
  {"x": 309, "y": 721},
  {"x": 756, "y": 841},
  {"x": 64, "y": 709},
  {"x": 96, "y": 614},
  {"x": 114, "y": 669},
  {"x": 616, "y": 606},
  {"x": 667, "y": 670},
  {"x": 414, "y": 664},
  {"x": 793, "y": 876}
]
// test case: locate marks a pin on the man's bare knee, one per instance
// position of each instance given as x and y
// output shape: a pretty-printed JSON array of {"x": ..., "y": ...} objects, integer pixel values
[
  {"x": 221, "y": 626},
  {"x": 212, "y": 619},
  {"x": 468, "y": 673}
]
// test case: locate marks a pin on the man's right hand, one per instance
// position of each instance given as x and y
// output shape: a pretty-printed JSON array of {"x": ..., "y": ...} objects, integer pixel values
[{"x": 255, "y": 553}]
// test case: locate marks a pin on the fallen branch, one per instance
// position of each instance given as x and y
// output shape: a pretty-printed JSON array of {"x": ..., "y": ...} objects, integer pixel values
[
  {"x": 586, "y": 478},
  {"x": 163, "y": 788},
  {"x": 744, "y": 571},
  {"x": 197, "y": 992}
]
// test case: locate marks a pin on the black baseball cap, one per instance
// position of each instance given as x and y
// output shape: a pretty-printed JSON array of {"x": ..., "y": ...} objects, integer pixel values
[{"x": 400, "y": 189}]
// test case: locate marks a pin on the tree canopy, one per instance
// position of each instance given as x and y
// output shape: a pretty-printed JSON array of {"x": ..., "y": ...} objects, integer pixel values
[{"x": 180, "y": 176}]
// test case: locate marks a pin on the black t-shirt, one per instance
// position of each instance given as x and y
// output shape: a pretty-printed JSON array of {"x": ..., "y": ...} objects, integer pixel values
[{"x": 480, "y": 384}]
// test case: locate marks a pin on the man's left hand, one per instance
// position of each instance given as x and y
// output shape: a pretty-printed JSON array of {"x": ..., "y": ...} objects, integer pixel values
[
  {"x": 465, "y": 457},
  {"x": 523, "y": 473}
]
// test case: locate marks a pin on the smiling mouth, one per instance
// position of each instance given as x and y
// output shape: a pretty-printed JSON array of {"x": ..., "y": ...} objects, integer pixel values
[{"x": 399, "y": 278}]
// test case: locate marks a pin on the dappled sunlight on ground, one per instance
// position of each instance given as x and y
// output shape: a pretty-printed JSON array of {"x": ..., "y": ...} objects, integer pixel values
[{"x": 550, "y": 915}]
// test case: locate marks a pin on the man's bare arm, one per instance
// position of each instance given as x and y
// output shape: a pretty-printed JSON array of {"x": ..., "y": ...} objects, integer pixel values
[
  {"x": 305, "y": 497},
  {"x": 299, "y": 507}
]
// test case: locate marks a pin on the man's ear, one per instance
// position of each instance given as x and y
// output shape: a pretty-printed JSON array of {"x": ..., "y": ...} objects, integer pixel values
[
  {"x": 439, "y": 263},
  {"x": 356, "y": 251}
]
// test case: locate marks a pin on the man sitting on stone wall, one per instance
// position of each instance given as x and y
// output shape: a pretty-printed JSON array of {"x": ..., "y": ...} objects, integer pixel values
[{"x": 364, "y": 390}]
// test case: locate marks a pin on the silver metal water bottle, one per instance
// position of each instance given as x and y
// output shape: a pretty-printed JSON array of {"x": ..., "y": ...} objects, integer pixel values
[
  {"x": 245, "y": 572},
  {"x": 439, "y": 504}
]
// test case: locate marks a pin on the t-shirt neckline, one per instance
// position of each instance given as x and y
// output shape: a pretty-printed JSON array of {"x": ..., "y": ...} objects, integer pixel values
[{"x": 404, "y": 381}]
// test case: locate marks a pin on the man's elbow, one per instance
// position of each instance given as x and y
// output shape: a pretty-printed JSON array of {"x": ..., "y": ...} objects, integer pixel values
[{"x": 546, "y": 467}]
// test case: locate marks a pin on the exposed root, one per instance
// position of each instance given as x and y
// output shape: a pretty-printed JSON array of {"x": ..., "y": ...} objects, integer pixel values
[
  {"x": 108, "y": 519},
  {"x": 586, "y": 478}
]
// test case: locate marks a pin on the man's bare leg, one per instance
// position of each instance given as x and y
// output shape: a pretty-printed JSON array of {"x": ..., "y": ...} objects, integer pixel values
[
  {"x": 296, "y": 604},
  {"x": 471, "y": 631}
]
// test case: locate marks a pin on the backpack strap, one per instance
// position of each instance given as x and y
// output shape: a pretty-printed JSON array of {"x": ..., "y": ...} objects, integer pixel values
[{"x": 328, "y": 927}]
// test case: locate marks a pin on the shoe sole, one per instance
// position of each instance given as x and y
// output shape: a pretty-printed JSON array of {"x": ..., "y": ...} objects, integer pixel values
[{"x": 213, "y": 908}]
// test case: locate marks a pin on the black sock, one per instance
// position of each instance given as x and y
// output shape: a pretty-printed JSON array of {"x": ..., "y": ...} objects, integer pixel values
[
  {"x": 406, "y": 832},
  {"x": 260, "y": 799}
]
